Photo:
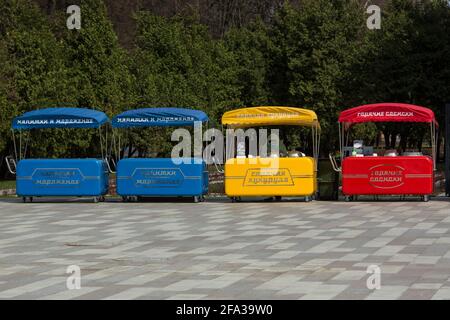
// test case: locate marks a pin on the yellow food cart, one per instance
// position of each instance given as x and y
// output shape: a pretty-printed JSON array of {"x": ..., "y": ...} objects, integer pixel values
[{"x": 275, "y": 175}]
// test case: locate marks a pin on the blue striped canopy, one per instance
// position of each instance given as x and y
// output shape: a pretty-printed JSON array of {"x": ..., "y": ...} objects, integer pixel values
[
  {"x": 60, "y": 118},
  {"x": 159, "y": 117}
]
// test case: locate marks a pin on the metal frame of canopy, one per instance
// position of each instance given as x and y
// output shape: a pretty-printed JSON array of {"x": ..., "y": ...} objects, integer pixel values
[
  {"x": 400, "y": 175},
  {"x": 70, "y": 118},
  {"x": 159, "y": 177},
  {"x": 290, "y": 169}
]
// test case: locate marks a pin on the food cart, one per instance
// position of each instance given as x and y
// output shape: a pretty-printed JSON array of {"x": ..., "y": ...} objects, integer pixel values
[
  {"x": 161, "y": 177},
  {"x": 275, "y": 175},
  {"x": 367, "y": 173},
  {"x": 59, "y": 177}
]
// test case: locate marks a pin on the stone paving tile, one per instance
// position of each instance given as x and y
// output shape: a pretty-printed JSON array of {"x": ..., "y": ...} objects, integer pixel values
[
  {"x": 219, "y": 250},
  {"x": 442, "y": 294},
  {"x": 418, "y": 294}
]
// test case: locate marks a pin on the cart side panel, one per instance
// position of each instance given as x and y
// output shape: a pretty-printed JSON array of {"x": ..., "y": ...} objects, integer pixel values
[
  {"x": 61, "y": 177},
  {"x": 388, "y": 176},
  {"x": 270, "y": 177},
  {"x": 161, "y": 177}
]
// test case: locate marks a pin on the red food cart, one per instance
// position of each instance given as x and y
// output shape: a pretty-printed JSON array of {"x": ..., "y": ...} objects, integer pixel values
[{"x": 367, "y": 173}]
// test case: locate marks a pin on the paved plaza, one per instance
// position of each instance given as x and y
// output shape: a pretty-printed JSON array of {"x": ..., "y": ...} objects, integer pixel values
[{"x": 224, "y": 250}]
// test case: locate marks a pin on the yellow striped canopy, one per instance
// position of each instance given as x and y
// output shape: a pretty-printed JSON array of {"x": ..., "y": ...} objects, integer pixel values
[{"x": 270, "y": 116}]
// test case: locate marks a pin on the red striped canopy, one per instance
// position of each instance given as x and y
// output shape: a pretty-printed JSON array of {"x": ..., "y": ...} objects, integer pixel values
[{"x": 387, "y": 112}]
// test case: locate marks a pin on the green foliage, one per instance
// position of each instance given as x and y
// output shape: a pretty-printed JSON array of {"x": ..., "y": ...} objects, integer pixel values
[
  {"x": 33, "y": 73},
  {"x": 251, "y": 46},
  {"x": 407, "y": 61},
  {"x": 176, "y": 63},
  {"x": 315, "y": 47},
  {"x": 7, "y": 94},
  {"x": 48, "y": 65},
  {"x": 97, "y": 64}
]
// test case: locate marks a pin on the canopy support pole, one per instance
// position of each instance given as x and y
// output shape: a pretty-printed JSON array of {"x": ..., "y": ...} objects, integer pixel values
[
  {"x": 119, "y": 149},
  {"x": 318, "y": 147},
  {"x": 113, "y": 144},
  {"x": 341, "y": 140},
  {"x": 433, "y": 144},
  {"x": 107, "y": 153},
  {"x": 20, "y": 144},
  {"x": 27, "y": 140},
  {"x": 101, "y": 141},
  {"x": 314, "y": 146},
  {"x": 347, "y": 138},
  {"x": 15, "y": 145}
]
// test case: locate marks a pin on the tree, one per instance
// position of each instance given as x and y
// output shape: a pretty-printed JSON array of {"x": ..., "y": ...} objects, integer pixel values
[
  {"x": 98, "y": 66},
  {"x": 316, "y": 46},
  {"x": 33, "y": 73},
  {"x": 53, "y": 67},
  {"x": 406, "y": 62},
  {"x": 176, "y": 63},
  {"x": 250, "y": 46}
]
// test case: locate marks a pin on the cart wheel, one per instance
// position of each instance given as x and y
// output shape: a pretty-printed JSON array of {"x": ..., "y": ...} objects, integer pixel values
[
  {"x": 348, "y": 198},
  {"x": 426, "y": 198},
  {"x": 236, "y": 199}
]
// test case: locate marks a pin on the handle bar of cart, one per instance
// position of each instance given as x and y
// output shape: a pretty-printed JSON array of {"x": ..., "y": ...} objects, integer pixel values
[
  {"x": 11, "y": 161},
  {"x": 334, "y": 163}
]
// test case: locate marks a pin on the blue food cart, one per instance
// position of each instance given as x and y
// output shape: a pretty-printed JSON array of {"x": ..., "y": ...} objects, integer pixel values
[
  {"x": 59, "y": 177},
  {"x": 161, "y": 177}
]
